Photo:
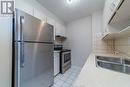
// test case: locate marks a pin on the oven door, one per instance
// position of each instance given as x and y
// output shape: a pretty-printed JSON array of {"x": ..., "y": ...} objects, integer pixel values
[{"x": 66, "y": 61}]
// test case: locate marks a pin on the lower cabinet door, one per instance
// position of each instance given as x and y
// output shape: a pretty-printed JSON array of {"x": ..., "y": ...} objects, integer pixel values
[{"x": 56, "y": 63}]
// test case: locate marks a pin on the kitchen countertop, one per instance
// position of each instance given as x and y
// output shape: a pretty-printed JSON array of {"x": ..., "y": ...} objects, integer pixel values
[{"x": 92, "y": 76}]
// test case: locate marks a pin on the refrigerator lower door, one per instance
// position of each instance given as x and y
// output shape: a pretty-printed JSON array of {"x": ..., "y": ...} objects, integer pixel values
[{"x": 36, "y": 65}]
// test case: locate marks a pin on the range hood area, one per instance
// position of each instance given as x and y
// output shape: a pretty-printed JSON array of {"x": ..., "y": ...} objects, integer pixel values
[{"x": 60, "y": 38}]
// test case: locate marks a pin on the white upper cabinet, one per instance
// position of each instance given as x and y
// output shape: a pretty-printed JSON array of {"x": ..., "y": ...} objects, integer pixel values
[
  {"x": 106, "y": 15},
  {"x": 20, "y": 4},
  {"x": 60, "y": 29},
  {"x": 63, "y": 31},
  {"x": 39, "y": 14},
  {"x": 122, "y": 14},
  {"x": 116, "y": 18},
  {"x": 111, "y": 6},
  {"x": 52, "y": 22}
]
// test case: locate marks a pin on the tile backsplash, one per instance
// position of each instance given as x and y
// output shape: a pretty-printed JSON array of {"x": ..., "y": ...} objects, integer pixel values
[
  {"x": 123, "y": 45},
  {"x": 102, "y": 46},
  {"x": 112, "y": 46}
]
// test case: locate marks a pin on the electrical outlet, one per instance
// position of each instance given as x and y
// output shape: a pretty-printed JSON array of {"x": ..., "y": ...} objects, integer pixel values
[{"x": 128, "y": 40}]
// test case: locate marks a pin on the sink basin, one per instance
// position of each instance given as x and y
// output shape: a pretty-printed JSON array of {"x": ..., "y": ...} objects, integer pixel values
[
  {"x": 115, "y": 64},
  {"x": 126, "y": 61},
  {"x": 109, "y": 59}
]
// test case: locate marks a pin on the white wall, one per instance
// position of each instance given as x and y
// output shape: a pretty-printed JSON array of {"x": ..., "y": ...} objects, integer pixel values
[
  {"x": 79, "y": 40},
  {"x": 5, "y": 51},
  {"x": 97, "y": 22},
  {"x": 97, "y": 26},
  {"x": 80, "y": 36}
]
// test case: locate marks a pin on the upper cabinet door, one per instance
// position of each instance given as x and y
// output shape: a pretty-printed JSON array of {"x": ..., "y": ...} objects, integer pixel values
[
  {"x": 22, "y": 5},
  {"x": 122, "y": 16},
  {"x": 60, "y": 29},
  {"x": 110, "y": 8},
  {"x": 52, "y": 22},
  {"x": 39, "y": 14}
]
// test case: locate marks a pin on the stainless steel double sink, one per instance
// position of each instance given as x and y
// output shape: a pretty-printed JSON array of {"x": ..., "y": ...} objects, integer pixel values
[{"x": 117, "y": 64}]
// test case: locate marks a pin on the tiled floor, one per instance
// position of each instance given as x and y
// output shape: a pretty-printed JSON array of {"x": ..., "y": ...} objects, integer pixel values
[{"x": 67, "y": 79}]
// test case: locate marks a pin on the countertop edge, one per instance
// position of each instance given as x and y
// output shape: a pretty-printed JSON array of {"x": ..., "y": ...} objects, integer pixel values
[{"x": 88, "y": 78}]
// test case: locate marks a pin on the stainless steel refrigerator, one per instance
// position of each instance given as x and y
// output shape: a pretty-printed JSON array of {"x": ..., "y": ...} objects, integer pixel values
[{"x": 33, "y": 51}]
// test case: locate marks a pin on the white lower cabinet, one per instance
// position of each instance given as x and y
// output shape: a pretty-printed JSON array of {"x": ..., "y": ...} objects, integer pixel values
[{"x": 56, "y": 62}]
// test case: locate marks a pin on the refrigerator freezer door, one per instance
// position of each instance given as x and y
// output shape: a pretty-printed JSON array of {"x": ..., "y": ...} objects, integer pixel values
[
  {"x": 38, "y": 68},
  {"x": 33, "y": 29}
]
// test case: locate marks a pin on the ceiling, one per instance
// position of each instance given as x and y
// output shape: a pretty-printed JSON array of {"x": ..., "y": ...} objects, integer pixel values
[{"x": 75, "y": 10}]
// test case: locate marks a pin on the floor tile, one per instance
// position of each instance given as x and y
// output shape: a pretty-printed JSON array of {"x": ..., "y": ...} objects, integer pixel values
[
  {"x": 59, "y": 83},
  {"x": 66, "y": 85},
  {"x": 67, "y": 79}
]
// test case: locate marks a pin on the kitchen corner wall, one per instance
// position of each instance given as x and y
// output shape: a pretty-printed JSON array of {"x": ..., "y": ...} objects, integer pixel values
[
  {"x": 79, "y": 40},
  {"x": 84, "y": 36},
  {"x": 122, "y": 45},
  {"x": 99, "y": 45}
]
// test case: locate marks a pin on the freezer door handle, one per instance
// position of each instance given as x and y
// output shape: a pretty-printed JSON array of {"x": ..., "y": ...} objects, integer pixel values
[
  {"x": 22, "y": 42},
  {"x": 21, "y": 28},
  {"x": 22, "y": 55}
]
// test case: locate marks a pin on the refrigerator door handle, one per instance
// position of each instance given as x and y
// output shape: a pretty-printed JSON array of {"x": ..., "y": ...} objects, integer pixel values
[
  {"x": 21, "y": 27},
  {"x": 22, "y": 42},
  {"x": 22, "y": 55}
]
